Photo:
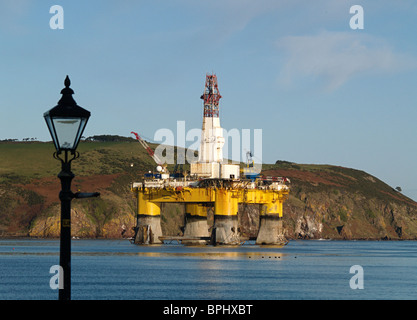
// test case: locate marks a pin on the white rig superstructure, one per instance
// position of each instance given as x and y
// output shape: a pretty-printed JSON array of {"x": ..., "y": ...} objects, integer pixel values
[{"x": 210, "y": 163}]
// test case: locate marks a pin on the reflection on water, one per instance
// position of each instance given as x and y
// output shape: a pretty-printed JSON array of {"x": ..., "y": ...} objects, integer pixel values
[
  {"x": 86, "y": 248},
  {"x": 217, "y": 255},
  {"x": 199, "y": 255},
  {"x": 116, "y": 269}
]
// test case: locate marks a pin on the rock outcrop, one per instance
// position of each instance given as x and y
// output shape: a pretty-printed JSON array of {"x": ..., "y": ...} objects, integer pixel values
[{"x": 325, "y": 201}]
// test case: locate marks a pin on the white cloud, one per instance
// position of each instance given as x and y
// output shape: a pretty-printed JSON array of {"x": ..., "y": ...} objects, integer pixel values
[{"x": 337, "y": 57}]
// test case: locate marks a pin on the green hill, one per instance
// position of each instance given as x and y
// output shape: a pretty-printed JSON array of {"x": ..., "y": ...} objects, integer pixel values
[
  {"x": 336, "y": 202},
  {"x": 325, "y": 201}
]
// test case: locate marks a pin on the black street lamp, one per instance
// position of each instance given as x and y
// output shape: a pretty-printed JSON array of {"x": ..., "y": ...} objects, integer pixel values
[{"x": 66, "y": 123}]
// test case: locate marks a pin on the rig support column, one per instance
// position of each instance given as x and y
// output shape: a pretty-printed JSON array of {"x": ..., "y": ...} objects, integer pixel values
[
  {"x": 225, "y": 229},
  {"x": 195, "y": 223},
  {"x": 149, "y": 221},
  {"x": 270, "y": 225}
]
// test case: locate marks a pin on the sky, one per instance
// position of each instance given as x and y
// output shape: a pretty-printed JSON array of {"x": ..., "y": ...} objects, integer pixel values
[{"x": 320, "y": 91}]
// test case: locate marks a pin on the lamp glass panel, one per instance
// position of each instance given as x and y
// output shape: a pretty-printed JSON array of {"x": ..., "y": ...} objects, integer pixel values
[
  {"x": 80, "y": 130},
  {"x": 67, "y": 130},
  {"x": 52, "y": 131}
]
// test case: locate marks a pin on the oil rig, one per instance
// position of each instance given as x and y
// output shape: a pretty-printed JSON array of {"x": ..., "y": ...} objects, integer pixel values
[{"x": 213, "y": 184}]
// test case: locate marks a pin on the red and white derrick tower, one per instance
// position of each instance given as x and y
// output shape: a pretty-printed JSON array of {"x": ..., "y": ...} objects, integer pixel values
[
  {"x": 212, "y": 140},
  {"x": 210, "y": 158},
  {"x": 211, "y": 97}
]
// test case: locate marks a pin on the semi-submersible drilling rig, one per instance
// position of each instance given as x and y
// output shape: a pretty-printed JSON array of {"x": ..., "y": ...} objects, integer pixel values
[{"x": 211, "y": 184}]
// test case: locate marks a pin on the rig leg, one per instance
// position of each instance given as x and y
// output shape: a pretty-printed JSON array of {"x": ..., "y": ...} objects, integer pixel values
[
  {"x": 148, "y": 228},
  {"x": 270, "y": 226},
  {"x": 225, "y": 229},
  {"x": 195, "y": 224}
]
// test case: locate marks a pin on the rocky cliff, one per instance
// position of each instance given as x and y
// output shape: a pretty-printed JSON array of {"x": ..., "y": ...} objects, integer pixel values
[
  {"x": 325, "y": 201},
  {"x": 342, "y": 203}
]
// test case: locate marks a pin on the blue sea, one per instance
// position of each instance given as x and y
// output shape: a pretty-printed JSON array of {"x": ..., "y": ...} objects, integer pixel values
[{"x": 119, "y": 270}]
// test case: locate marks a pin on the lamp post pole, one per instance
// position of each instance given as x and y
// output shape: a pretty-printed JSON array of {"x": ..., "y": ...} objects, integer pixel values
[{"x": 65, "y": 196}]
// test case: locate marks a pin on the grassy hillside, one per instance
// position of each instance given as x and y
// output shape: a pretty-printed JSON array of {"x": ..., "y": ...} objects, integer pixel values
[
  {"x": 325, "y": 201},
  {"x": 336, "y": 202},
  {"x": 29, "y": 187}
]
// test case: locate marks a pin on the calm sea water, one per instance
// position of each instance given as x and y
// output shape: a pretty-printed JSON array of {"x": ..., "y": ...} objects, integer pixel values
[{"x": 117, "y": 269}]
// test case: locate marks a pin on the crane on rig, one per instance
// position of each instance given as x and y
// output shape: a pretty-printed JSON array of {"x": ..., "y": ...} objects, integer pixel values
[{"x": 161, "y": 167}]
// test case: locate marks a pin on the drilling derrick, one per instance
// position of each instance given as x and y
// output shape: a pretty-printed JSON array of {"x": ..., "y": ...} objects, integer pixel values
[
  {"x": 212, "y": 140},
  {"x": 211, "y": 97},
  {"x": 210, "y": 162}
]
